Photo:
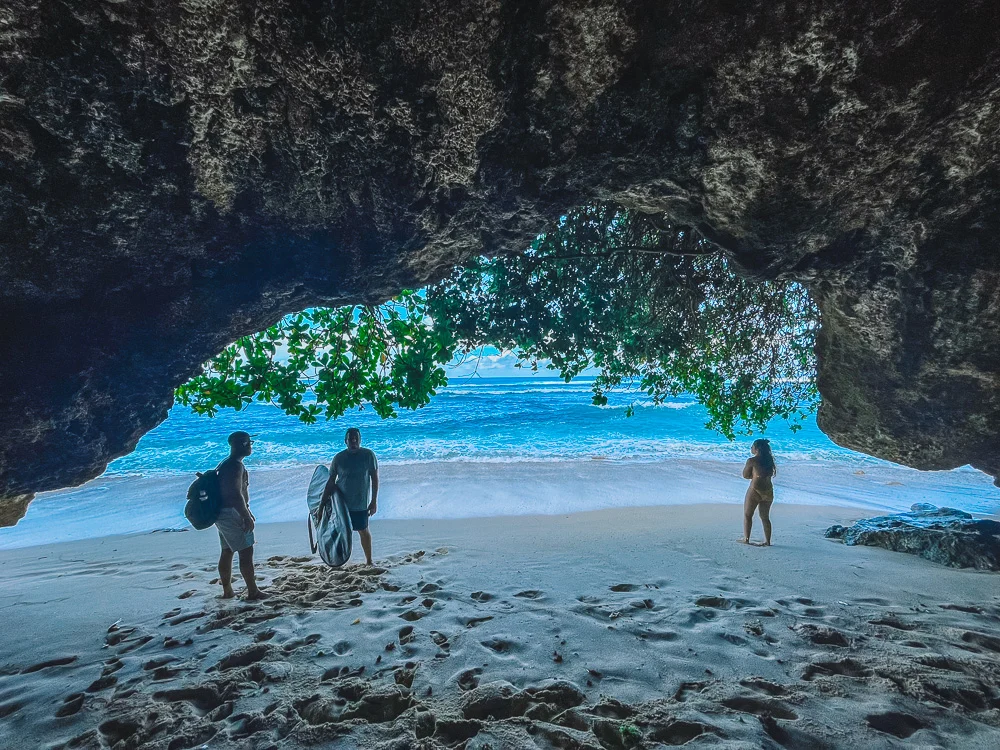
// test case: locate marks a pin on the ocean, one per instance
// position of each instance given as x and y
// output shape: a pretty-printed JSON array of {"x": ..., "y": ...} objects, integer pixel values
[
  {"x": 477, "y": 440},
  {"x": 482, "y": 419}
]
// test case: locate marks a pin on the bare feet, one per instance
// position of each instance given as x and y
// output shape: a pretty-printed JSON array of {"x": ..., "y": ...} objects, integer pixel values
[
  {"x": 227, "y": 593},
  {"x": 255, "y": 596}
]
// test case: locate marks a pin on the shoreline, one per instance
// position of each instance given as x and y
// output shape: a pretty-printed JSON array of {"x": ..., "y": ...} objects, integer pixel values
[
  {"x": 484, "y": 490},
  {"x": 654, "y": 617}
]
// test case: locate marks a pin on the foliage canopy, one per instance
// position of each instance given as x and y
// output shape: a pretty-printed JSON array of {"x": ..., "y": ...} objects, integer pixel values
[{"x": 646, "y": 305}]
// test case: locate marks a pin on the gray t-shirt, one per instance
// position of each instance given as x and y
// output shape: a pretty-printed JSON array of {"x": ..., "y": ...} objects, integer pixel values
[{"x": 353, "y": 470}]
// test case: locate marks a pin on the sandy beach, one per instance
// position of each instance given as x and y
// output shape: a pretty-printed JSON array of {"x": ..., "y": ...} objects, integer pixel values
[{"x": 629, "y": 627}]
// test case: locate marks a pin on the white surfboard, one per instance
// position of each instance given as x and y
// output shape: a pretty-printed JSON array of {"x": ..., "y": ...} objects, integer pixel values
[{"x": 329, "y": 523}]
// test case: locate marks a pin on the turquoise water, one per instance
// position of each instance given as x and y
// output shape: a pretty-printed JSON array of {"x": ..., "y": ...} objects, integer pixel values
[{"x": 481, "y": 419}]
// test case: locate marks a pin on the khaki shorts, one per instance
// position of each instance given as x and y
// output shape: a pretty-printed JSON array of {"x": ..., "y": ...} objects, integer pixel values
[{"x": 231, "y": 533}]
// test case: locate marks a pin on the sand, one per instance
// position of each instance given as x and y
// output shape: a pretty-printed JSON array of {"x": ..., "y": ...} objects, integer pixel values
[{"x": 631, "y": 627}]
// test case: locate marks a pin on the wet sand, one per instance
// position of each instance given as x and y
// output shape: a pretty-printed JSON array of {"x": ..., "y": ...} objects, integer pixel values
[{"x": 632, "y": 627}]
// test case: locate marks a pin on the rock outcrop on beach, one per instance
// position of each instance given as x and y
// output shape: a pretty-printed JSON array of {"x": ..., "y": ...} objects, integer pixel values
[
  {"x": 173, "y": 176},
  {"x": 943, "y": 535}
]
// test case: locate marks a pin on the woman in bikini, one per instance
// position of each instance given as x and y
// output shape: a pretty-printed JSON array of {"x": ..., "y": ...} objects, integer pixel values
[{"x": 759, "y": 469}]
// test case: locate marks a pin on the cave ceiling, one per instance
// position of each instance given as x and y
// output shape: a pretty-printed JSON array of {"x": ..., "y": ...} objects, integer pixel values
[{"x": 176, "y": 174}]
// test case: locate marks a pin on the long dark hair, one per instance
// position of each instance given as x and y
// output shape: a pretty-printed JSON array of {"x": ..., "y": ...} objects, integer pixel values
[{"x": 765, "y": 459}]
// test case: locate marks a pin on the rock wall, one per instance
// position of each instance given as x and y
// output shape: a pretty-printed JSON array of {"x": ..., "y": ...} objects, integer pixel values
[{"x": 176, "y": 174}]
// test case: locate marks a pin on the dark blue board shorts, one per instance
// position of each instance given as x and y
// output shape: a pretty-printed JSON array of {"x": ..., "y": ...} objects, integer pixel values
[{"x": 359, "y": 519}]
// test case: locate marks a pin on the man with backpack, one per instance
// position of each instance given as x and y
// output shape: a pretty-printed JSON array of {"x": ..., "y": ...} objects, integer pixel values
[{"x": 235, "y": 521}]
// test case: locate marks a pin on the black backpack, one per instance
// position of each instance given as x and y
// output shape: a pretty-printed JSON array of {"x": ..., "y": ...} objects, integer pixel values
[{"x": 204, "y": 500}]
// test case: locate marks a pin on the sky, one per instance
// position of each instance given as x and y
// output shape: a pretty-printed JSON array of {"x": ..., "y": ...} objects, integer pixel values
[{"x": 496, "y": 364}]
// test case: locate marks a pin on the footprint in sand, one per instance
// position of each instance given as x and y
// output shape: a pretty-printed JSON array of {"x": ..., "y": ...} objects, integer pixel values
[
  {"x": 203, "y": 699},
  {"x": 821, "y": 635},
  {"x": 734, "y": 639},
  {"x": 244, "y": 657},
  {"x": 298, "y": 643},
  {"x": 187, "y": 618},
  {"x": 187, "y": 594},
  {"x": 429, "y": 588},
  {"x": 111, "y": 666},
  {"x": 891, "y": 621},
  {"x": 405, "y": 674},
  {"x": 763, "y": 686},
  {"x": 682, "y": 691},
  {"x": 624, "y": 587},
  {"x": 60, "y": 662},
  {"x": 157, "y": 663},
  {"x": 679, "y": 732},
  {"x": 405, "y": 635},
  {"x": 114, "y": 730},
  {"x": 474, "y": 621},
  {"x": 469, "y": 679},
  {"x": 790, "y": 737},
  {"x": 714, "y": 602},
  {"x": 758, "y": 707},
  {"x": 440, "y": 640},
  {"x": 500, "y": 645},
  {"x": 972, "y": 610},
  {"x": 102, "y": 683},
  {"x": 482, "y": 596},
  {"x": 412, "y": 615},
  {"x": 71, "y": 705},
  {"x": 844, "y": 667},
  {"x": 654, "y": 634},
  {"x": 529, "y": 594},
  {"x": 168, "y": 673},
  {"x": 936, "y": 661},
  {"x": 897, "y": 724},
  {"x": 980, "y": 639}
]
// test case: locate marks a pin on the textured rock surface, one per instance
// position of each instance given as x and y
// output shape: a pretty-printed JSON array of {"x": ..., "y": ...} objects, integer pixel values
[
  {"x": 176, "y": 174},
  {"x": 942, "y": 535}
]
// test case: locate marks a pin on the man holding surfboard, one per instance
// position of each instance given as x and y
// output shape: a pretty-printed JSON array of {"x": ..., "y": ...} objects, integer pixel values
[{"x": 354, "y": 474}]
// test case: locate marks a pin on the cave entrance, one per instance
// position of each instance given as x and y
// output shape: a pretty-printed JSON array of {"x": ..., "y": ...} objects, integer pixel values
[
  {"x": 638, "y": 303},
  {"x": 618, "y": 339}
]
